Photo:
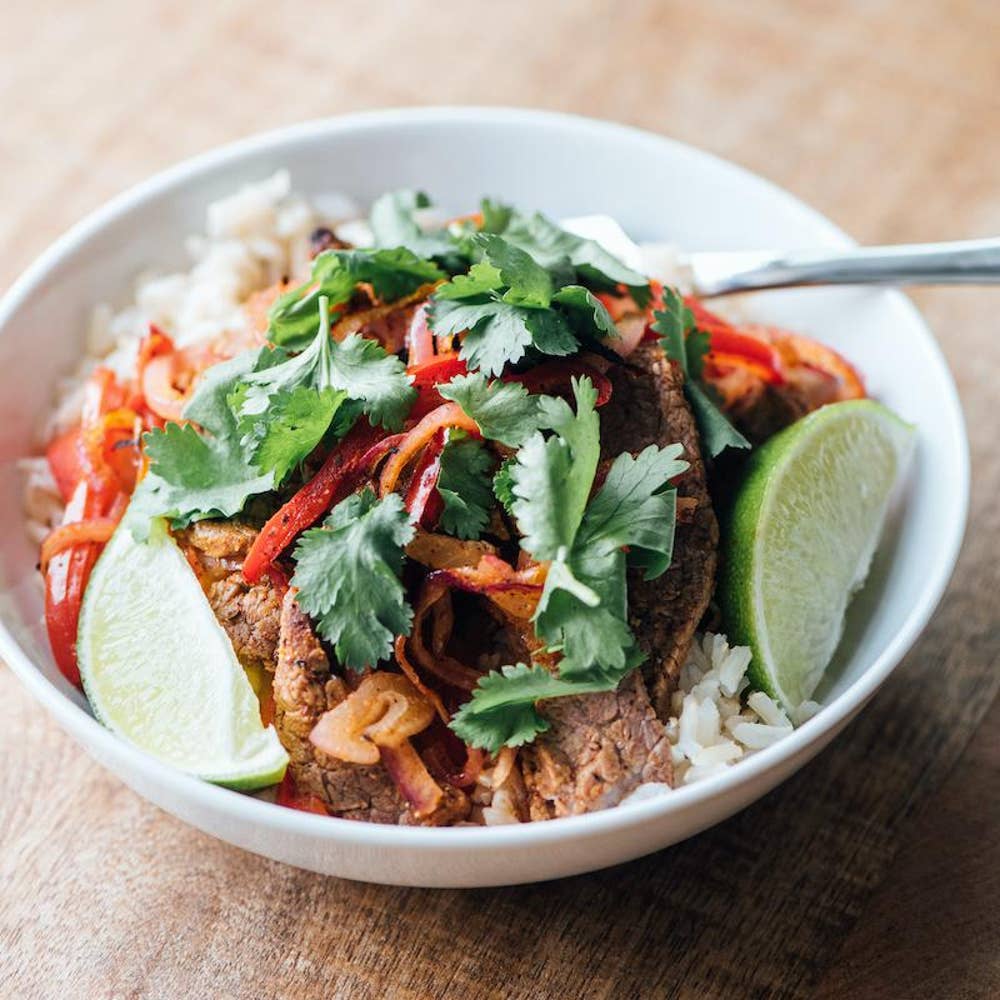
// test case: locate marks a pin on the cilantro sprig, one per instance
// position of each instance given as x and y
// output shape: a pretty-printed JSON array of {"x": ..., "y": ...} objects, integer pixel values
[
  {"x": 259, "y": 416},
  {"x": 554, "y": 247},
  {"x": 327, "y": 372},
  {"x": 521, "y": 284},
  {"x": 348, "y": 577},
  {"x": 196, "y": 474},
  {"x": 683, "y": 343},
  {"x": 582, "y": 613},
  {"x": 505, "y": 305},
  {"x": 392, "y": 272}
]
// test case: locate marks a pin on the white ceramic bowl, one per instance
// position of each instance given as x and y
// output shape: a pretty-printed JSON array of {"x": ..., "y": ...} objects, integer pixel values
[{"x": 565, "y": 166}]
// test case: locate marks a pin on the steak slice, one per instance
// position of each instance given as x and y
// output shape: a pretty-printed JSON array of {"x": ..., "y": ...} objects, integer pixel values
[
  {"x": 647, "y": 407},
  {"x": 250, "y": 613},
  {"x": 305, "y": 688},
  {"x": 599, "y": 748}
]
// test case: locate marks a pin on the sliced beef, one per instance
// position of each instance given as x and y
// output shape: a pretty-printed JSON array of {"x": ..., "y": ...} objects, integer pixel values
[
  {"x": 599, "y": 748},
  {"x": 647, "y": 406},
  {"x": 305, "y": 688},
  {"x": 249, "y": 613}
]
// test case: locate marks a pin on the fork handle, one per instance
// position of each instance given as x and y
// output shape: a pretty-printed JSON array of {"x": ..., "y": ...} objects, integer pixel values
[{"x": 970, "y": 262}]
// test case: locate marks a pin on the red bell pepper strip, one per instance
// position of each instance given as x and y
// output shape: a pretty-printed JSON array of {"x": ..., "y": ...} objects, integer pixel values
[
  {"x": 329, "y": 486},
  {"x": 423, "y": 501},
  {"x": 96, "y": 494},
  {"x": 66, "y": 460},
  {"x": 427, "y": 377},
  {"x": 66, "y": 578},
  {"x": 419, "y": 437},
  {"x": 726, "y": 340}
]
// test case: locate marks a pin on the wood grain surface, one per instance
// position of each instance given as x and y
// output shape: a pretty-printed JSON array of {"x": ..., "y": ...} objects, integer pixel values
[{"x": 876, "y": 871}]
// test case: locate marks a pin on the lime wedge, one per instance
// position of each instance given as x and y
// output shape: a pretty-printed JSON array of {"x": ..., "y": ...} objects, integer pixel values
[
  {"x": 160, "y": 670},
  {"x": 800, "y": 539}
]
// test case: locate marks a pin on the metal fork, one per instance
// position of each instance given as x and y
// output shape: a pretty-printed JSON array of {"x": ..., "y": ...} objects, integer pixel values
[{"x": 969, "y": 262}]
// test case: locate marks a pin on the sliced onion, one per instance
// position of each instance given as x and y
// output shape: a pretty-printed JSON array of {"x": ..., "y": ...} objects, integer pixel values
[
  {"x": 383, "y": 711},
  {"x": 446, "y": 668},
  {"x": 515, "y": 592},
  {"x": 96, "y": 529},
  {"x": 631, "y": 329},
  {"x": 414, "y": 678},
  {"x": 411, "y": 777}
]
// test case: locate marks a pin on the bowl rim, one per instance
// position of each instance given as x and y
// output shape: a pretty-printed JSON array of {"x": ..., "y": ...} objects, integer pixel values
[{"x": 87, "y": 730}]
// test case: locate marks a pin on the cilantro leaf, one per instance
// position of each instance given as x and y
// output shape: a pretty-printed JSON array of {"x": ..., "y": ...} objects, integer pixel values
[
  {"x": 505, "y": 411},
  {"x": 502, "y": 712},
  {"x": 552, "y": 476},
  {"x": 551, "y": 333},
  {"x": 363, "y": 369},
  {"x": 634, "y": 508},
  {"x": 296, "y": 421},
  {"x": 481, "y": 279},
  {"x": 347, "y": 574},
  {"x": 464, "y": 485},
  {"x": 497, "y": 335},
  {"x": 674, "y": 322},
  {"x": 193, "y": 476},
  {"x": 330, "y": 372},
  {"x": 503, "y": 307},
  {"x": 392, "y": 219},
  {"x": 714, "y": 426},
  {"x": 583, "y": 614},
  {"x": 551, "y": 246},
  {"x": 393, "y": 273},
  {"x": 209, "y": 405},
  {"x": 687, "y": 346},
  {"x": 699, "y": 343},
  {"x": 528, "y": 284},
  {"x": 198, "y": 474},
  {"x": 593, "y": 313}
]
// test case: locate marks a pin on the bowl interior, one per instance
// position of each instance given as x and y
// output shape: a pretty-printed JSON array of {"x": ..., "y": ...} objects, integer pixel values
[{"x": 563, "y": 166}]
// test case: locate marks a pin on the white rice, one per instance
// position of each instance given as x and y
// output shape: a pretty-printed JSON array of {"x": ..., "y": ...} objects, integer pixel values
[{"x": 718, "y": 720}]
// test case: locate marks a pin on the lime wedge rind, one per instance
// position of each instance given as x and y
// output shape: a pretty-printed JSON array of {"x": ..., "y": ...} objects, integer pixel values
[
  {"x": 801, "y": 536},
  {"x": 160, "y": 671}
]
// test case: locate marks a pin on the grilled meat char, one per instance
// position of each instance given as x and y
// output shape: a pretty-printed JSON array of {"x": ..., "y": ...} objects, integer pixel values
[{"x": 600, "y": 747}]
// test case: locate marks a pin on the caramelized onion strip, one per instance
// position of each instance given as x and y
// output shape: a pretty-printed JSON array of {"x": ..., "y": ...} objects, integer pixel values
[{"x": 383, "y": 711}]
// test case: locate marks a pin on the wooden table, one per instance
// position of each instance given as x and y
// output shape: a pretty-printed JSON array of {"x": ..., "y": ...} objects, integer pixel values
[{"x": 876, "y": 871}]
